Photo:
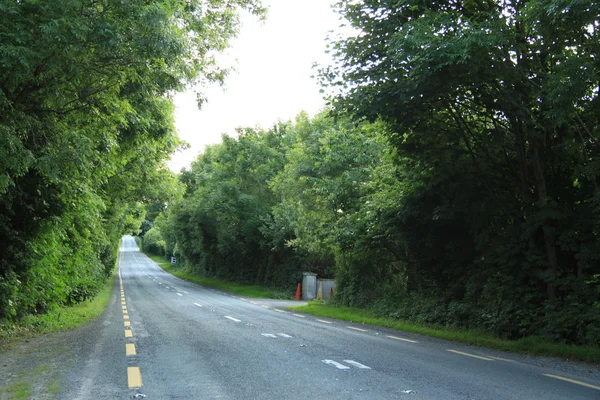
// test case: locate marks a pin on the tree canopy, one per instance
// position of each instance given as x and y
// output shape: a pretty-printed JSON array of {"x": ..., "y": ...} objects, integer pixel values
[
  {"x": 86, "y": 124},
  {"x": 453, "y": 180}
]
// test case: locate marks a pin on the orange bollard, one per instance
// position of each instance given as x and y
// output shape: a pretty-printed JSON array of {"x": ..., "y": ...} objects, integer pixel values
[{"x": 298, "y": 296}]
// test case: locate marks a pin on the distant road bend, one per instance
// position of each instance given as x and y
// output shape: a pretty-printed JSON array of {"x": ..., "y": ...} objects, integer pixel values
[{"x": 169, "y": 339}]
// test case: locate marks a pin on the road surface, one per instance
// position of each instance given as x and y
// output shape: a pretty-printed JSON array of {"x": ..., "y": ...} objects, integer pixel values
[{"x": 169, "y": 339}]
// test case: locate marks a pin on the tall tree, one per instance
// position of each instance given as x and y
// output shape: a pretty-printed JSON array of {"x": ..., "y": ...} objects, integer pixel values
[
  {"x": 496, "y": 102},
  {"x": 86, "y": 123}
]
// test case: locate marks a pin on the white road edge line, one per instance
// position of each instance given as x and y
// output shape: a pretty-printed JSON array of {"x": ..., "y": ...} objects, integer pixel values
[
  {"x": 196, "y": 304},
  {"x": 405, "y": 340},
  {"x": 233, "y": 319},
  {"x": 179, "y": 294}
]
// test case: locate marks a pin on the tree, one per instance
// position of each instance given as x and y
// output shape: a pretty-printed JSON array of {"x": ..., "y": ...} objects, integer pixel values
[
  {"x": 495, "y": 103},
  {"x": 85, "y": 127}
]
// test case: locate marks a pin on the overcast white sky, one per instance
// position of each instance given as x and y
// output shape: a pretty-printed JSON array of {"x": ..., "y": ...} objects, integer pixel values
[{"x": 272, "y": 79}]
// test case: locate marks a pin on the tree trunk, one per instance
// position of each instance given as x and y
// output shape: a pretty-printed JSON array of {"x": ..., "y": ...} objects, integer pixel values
[{"x": 549, "y": 240}]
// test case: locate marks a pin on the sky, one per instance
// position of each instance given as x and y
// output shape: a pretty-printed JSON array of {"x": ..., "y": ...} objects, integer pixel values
[{"x": 273, "y": 62}]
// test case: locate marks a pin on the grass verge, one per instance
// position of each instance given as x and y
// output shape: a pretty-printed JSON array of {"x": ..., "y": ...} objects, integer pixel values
[
  {"x": 528, "y": 345},
  {"x": 59, "y": 319},
  {"x": 253, "y": 291}
]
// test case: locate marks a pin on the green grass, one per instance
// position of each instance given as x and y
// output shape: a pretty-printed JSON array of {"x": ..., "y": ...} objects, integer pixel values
[
  {"x": 253, "y": 291},
  {"x": 59, "y": 319},
  {"x": 528, "y": 345},
  {"x": 20, "y": 391}
]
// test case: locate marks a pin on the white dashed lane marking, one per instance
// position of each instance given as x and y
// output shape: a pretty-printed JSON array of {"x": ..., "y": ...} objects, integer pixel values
[
  {"x": 356, "y": 364},
  {"x": 233, "y": 319},
  {"x": 338, "y": 365},
  {"x": 335, "y": 364},
  {"x": 274, "y": 336}
]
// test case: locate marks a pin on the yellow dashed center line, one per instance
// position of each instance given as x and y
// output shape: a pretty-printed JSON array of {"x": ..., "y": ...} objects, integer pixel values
[
  {"x": 134, "y": 377},
  {"x": 298, "y": 315},
  {"x": 405, "y": 340},
  {"x": 357, "y": 329},
  {"x": 325, "y": 322},
  {"x": 278, "y": 310},
  {"x": 130, "y": 349},
  {"x": 573, "y": 381},
  {"x": 470, "y": 355}
]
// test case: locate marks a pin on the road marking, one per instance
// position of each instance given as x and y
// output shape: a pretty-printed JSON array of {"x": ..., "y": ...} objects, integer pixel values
[
  {"x": 166, "y": 287},
  {"x": 253, "y": 302},
  {"x": 335, "y": 364},
  {"x": 123, "y": 303},
  {"x": 128, "y": 333},
  {"x": 562, "y": 378},
  {"x": 179, "y": 294},
  {"x": 278, "y": 310},
  {"x": 269, "y": 335},
  {"x": 125, "y": 316},
  {"x": 134, "y": 377},
  {"x": 243, "y": 299},
  {"x": 126, "y": 323},
  {"x": 357, "y": 364},
  {"x": 357, "y": 329},
  {"x": 405, "y": 340},
  {"x": 325, "y": 322},
  {"x": 285, "y": 335},
  {"x": 130, "y": 349},
  {"x": 263, "y": 306},
  {"x": 501, "y": 359},
  {"x": 470, "y": 355},
  {"x": 298, "y": 315},
  {"x": 233, "y": 319},
  {"x": 196, "y": 304},
  {"x": 124, "y": 307}
]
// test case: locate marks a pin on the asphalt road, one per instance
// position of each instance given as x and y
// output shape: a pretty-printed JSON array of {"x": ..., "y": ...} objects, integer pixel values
[{"x": 168, "y": 339}]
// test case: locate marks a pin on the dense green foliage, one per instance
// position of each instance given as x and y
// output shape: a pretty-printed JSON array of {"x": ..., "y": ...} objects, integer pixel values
[
  {"x": 495, "y": 106},
  {"x": 454, "y": 182},
  {"x": 222, "y": 226},
  {"x": 85, "y": 127}
]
